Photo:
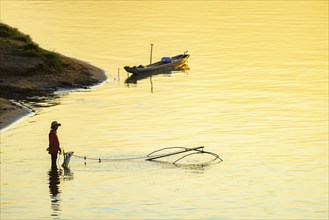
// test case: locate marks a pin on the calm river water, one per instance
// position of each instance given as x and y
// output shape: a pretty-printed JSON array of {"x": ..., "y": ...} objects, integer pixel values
[{"x": 256, "y": 94}]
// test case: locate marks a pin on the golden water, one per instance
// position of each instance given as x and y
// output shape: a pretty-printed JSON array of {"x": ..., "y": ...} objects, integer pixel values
[{"x": 256, "y": 94}]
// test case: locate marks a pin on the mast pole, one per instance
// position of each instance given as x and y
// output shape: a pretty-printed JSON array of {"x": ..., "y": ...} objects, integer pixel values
[{"x": 151, "y": 53}]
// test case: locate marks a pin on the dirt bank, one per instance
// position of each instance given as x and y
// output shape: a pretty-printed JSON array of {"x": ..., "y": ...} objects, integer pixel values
[{"x": 27, "y": 71}]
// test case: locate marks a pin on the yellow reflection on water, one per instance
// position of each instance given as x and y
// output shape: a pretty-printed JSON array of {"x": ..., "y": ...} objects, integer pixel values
[{"x": 256, "y": 94}]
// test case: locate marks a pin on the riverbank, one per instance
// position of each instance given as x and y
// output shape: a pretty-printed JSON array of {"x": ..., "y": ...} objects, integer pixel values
[
  {"x": 28, "y": 71},
  {"x": 11, "y": 112}
]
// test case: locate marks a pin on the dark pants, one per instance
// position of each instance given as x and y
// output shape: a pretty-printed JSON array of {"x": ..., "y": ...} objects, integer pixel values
[{"x": 53, "y": 160}]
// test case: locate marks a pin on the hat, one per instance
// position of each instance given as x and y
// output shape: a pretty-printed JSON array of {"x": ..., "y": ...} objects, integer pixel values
[{"x": 54, "y": 123}]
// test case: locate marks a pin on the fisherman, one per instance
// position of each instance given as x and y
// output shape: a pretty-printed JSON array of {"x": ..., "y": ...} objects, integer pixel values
[{"x": 54, "y": 146}]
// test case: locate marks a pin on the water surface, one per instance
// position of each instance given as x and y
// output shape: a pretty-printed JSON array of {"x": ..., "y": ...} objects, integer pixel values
[{"x": 256, "y": 94}]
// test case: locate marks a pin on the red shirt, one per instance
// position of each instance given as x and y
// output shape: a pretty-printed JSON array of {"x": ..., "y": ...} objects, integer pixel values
[{"x": 54, "y": 146}]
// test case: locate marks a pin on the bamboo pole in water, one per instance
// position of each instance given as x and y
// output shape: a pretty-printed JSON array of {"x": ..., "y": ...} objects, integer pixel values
[{"x": 173, "y": 153}]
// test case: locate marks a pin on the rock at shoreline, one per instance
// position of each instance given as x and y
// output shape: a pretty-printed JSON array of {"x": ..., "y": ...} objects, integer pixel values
[{"x": 26, "y": 70}]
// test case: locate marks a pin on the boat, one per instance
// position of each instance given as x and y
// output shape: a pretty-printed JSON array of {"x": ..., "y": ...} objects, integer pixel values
[
  {"x": 165, "y": 64},
  {"x": 141, "y": 76}
]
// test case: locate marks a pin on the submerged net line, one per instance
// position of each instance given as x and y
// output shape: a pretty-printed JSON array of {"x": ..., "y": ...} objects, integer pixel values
[
  {"x": 151, "y": 156},
  {"x": 110, "y": 159}
]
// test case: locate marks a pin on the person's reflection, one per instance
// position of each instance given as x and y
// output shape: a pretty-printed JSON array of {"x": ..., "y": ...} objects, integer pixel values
[
  {"x": 54, "y": 190},
  {"x": 55, "y": 176}
]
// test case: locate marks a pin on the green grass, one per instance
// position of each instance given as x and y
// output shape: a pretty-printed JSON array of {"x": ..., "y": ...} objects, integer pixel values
[
  {"x": 54, "y": 60},
  {"x": 28, "y": 48},
  {"x": 13, "y": 34}
]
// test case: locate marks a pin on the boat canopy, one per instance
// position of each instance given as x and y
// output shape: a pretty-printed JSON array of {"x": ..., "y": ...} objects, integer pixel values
[{"x": 166, "y": 60}]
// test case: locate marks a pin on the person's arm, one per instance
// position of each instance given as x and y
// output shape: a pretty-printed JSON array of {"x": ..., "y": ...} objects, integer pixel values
[{"x": 56, "y": 143}]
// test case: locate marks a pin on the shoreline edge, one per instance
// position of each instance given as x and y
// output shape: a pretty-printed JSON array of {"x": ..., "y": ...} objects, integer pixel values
[{"x": 13, "y": 111}]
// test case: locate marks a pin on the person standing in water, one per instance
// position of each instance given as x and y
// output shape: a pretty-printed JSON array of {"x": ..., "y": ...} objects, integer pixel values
[{"x": 54, "y": 146}]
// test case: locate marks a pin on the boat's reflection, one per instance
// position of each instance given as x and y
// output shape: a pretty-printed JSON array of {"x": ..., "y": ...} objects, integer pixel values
[{"x": 140, "y": 76}]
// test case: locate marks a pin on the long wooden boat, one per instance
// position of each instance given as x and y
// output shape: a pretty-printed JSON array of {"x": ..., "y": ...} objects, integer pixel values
[
  {"x": 169, "y": 65},
  {"x": 140, "y": 76}
]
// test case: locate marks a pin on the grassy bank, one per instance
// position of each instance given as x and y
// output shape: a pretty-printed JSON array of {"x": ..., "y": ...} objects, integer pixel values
[
  {"x": 27, "y": 70},
  {"x": 23, "y": 46}
]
